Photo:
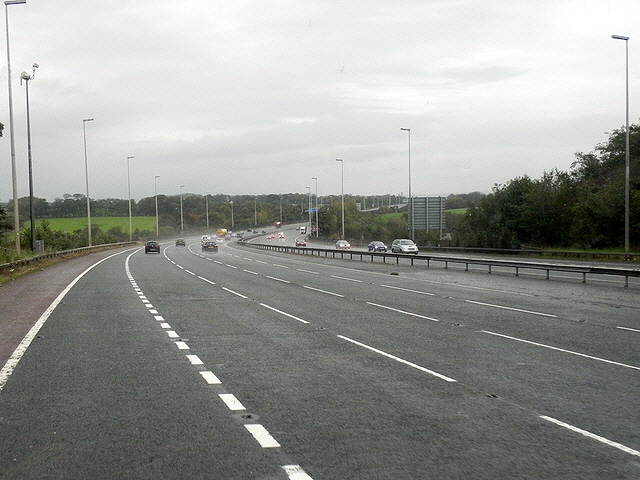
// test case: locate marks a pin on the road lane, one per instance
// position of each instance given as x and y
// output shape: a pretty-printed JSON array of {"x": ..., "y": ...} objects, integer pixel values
[{"x": 332, "y": 380}]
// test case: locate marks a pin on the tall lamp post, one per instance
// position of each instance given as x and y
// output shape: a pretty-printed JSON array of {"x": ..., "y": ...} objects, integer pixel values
[
  {"x": 626, "y": 152},
  {"x": 206, "y": 204},
  {"x": 26, "y": 77},
  {"x": 129, "y": 192},
  {"x": 14, "y": 175},
  {"x": 408, "y": 130},
  {"x": 309, "y": 208},
  {"x": 155, "y": 182},
  {"x": 233, "y": 226},
  {"x": 317, "y": 226},
  {"x": 86, "y": 176},
  {"x": 342, "y": 194},
  {"x": 181, "y": 212}
]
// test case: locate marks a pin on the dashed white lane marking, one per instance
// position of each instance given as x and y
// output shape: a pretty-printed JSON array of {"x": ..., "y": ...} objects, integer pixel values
[
  {"x": 231, "y": 402},
  {"x": 295, "y": 472},
  {"x": 206, "y": 280},
  {"x": 277, "y": 279},
  {"x": 172, "y": 334},
  {"x": 398, "y": 359},
  {"x": 630, "y": 329},
  {"x": 235, "y": 293},
  {"x": 345, "y": 278},
  {"x": 195, "y": 360},
  {"x": 562, "y": 350},
  {"x": 249, "y": 271},
  {"x": 403, "y": 312},
  {"x": 210, "y": 378},
  {"x": 323, "y": 291},
  {"x": 409, "y": 290},
  {"x": 307, "y": 271},
  {"x": 284, "y": 313},
  {"x": 586, "y": 433},
  {"x": 261, "y": 434},
  {"x": 279, "y": 266},
  {"x": 502, "y": 307}
]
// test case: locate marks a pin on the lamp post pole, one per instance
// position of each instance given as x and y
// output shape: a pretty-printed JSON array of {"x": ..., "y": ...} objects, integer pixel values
[
  {"x": 14, "y": 175},
  {"x": 233, "y": 226},
  {"x": 317, "y": 225},
  {"x": 309, "y": 208},
  {"x": 129, "y": 192},
  {"x": 86, "y": 176},
  {"x": 342, "y": 194},
  {"x": 155, "y": 181},
  {"x": 26, "y": 77},
  {"x": 181, "y": 212},
  {"x": 408, "y": 130},
  {"x": 626, "y": 153},
  {"x": 206, "y": 204}
]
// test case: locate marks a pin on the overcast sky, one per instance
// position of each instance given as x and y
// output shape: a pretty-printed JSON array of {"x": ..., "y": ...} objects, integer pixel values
[{"x": 256, "y": 97}]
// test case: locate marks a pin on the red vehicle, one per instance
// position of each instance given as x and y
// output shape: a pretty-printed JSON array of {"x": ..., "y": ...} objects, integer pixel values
[{"x": 277, "y": 224}]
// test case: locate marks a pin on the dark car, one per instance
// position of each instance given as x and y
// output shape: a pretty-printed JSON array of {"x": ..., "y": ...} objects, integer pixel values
[
  {"x": 152, "y": 247},
  {"x": 376, "y": 246},
  {"x": 180, "y": 242},
  {"x": 209, "y": 246},
  {"x": 301, "y": 243}
]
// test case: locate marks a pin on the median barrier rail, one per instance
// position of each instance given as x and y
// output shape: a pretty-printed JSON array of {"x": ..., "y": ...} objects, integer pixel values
[
  {"x": 428, "y": 259},
  {"x": 35, "y": 259}
]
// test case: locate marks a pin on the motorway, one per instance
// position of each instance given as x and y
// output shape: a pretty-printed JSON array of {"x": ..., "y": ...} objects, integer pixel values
[{"x": 248, "y": 364}]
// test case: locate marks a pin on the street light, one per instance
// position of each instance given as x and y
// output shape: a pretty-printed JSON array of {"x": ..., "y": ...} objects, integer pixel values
[
  {"x": 317, "y": 226},
  {"x": 155, "y": 181},
  {"x": 342, "y": 194},
  {"x": 129, "y": 192},
  {"x": 14, "y": 176},
  {"x": 233, "y": 226},
  {"x": 408, "y": 130},
  {"x": 26, "y": 77},
  {"x": 309, "y": 208},
  {"x": 86, "y": 175},
  {"x": 626, "y": 152},
  {"x": 181, "y": 212},
  {"x": 206, "y": 203}
]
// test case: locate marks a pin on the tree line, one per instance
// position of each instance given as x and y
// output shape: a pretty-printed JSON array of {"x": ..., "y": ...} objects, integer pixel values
[{"x": 583, "y": 208}]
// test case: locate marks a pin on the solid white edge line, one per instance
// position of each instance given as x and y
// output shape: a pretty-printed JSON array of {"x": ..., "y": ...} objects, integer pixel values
[
  {"x": 604, "y": 440},
  {"x": 398, "y": 359},
  {"x": 17, "y": 354},
  {"x": 562, "y": 350},
  {"x": 283, "y": 313},
  {"x": 261, "y": 434},
  {"x": 295, "y": 472},
  {"x": 502, "y": 307},
  {"x": 402, "y": 311}
]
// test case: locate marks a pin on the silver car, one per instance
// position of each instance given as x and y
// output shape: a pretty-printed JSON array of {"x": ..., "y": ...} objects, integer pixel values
[{"x": 404, "y": 245}]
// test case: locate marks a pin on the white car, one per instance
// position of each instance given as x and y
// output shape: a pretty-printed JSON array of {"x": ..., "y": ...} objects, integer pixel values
[{"x": 404, "y": 245}]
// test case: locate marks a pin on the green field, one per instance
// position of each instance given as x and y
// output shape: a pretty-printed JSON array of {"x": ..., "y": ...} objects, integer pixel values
[{"x": 69, "y": 225}]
